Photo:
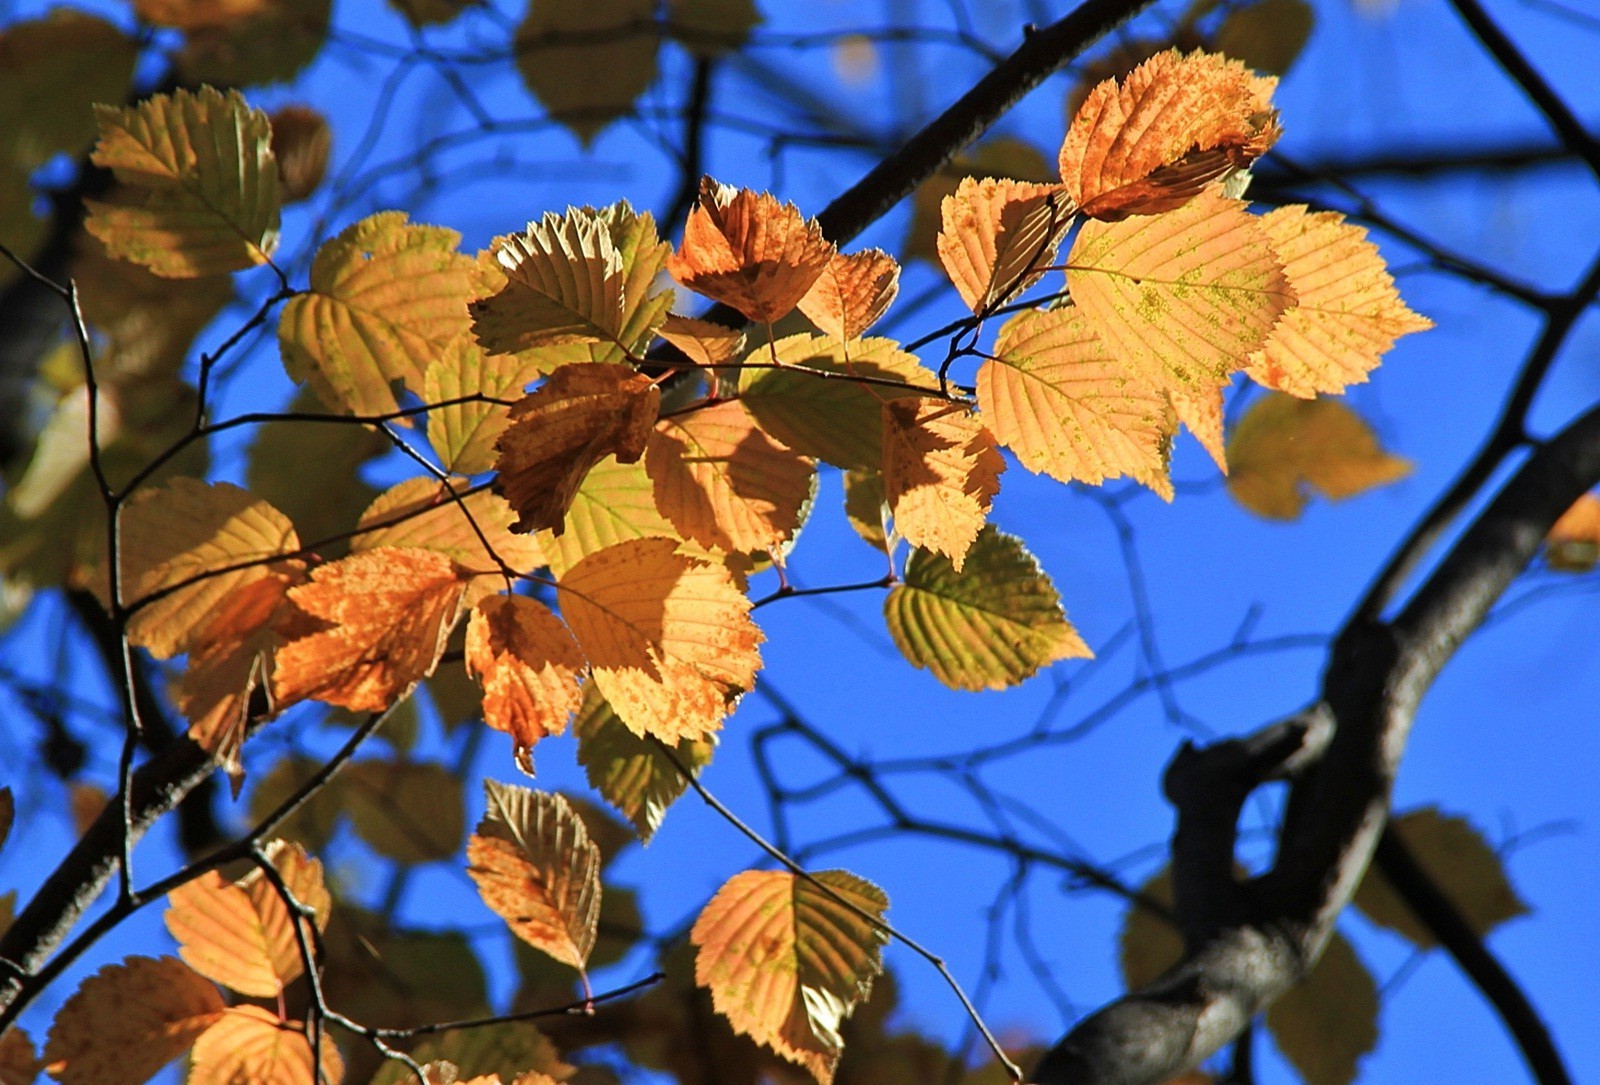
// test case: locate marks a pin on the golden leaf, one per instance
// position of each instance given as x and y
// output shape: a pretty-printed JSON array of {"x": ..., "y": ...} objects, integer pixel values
[
  {"x": 748, "y": 250},
  {"x": 866, "y": 507},
  {"x": 129, "y": 1020},
  {"x": 1003, "y": 157},
  {"x": 589, "y": 82},
  {"x": 941, "y": 471},
  {"x": 1201, "y": 411},
  {"x": 529, "y": 667},
  {"x": 701, "y": 341},
  {"x": 669, "y": 638},
  {"x": 1573, "y": 544},
  {"x": 271, "y": 46},
  {"x": 472, "y": 529},
  {"x": 301, "y": 142},
  {"x": 614, "y": 503},
  {"x": 852, "y": 292},
  {"x": 56, "y": 68},
  {"x": 999, "y": 236},
  {"x": 464, "y": 434},
  {"x": 564, "y": 280},
  {"x": 1283, "y": 445},
  {"x": 249, "y": 1046}
]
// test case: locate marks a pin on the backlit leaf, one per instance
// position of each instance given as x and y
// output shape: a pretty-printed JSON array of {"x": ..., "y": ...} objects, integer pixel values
[
  {"x": 464, "y": 434},
  {"x": 630, "y": 772},
  {"x": 529, "y": 666},
  {"x": 199, "y": 191},
  {"x": 750, "y": 251},
  {"x": 701, "y": 341},
  {"x": 564, "y": 281},
  {"x": 1283, "y": 446},
  {"x": 56, "y": 68},
  {"x": 998, "y": 236},
  {"x": 1267, "y": 35},
  {"x": 724, "y": 482},
  {"x": 370, "y": 627},
  {"x": 852, "y": 292},
  {"x": 866, "y": 507},
  {"x": 987, "y": 627},
  {"x": 195, "y": 14},
  {"x": 710, "y": 28},
  {"x": 669, "y": 637},
  {"x": 506, "y": 1050},
  {"x": 386, "y": 298},
  {"x": 1326, "y": 1024},
  {"x": 587, "y": 84},
  {"x": 129, "y": 1020},
  {"x": 941, "y": 471},
  {"x": 271, "y": 46},
  {"x": 1573, "y": 545},
  {"x": 1348, "y": 313},
  {"x": 1069, "y": 408},
  {"x": 1152, "y": 141},
  {"x": 614, "y": 503},
  {"x": 408, "y": 811},
  {"x": 249, "y": 1046},
  {"x": 472, "y": 530},
  {"x": 582, "y": 414},
  {"x": 286, "y": 453},
  {"x": 787, "y": 959},
  {"x": 537, "y": 869},
  {"x": 301, "y": 142},
  {"x": 1200, "y": 411},
  {"x": 1185, "y": 297},
  {"x": 1004, "y": 157}
]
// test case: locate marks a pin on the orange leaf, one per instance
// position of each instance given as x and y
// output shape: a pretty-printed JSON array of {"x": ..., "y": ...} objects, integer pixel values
[
  {"x": 632, "y": 773},
  {"x": 724, "y": 482},
  {"x": 1201, "y": 411},
  {"x": 191, "y": 15},
  {"x": 528, "y": 665},
  {"x": 249, "y": 1046},
  {"x": 747, "y": 250},
  {"x": 852, "y": 292},
  {"x": 1154, "y": 140},
  {"x": 368, "y": 628},
  {"x": 582, "y": 414},
  {"x": 669, "y": 637},
  {"x": 471, "y": 530},
  {"x": 998, "y": 236},
  {"x": 1573, "y": 545},
  {"x": 701, "y": 341},
  {"x": 537, "y": 869},
  {"x": 1348, "y": 313},
  {"x": 129, "y": 1020},
  {"x": 941, "y": 471}
]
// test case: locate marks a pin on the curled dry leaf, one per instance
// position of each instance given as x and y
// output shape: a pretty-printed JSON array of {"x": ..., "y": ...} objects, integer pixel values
[
  {"x": 701, "y": 341},
  {"x": 941, "y": 471},
  {"x": 529, "y": 667},
  {"x": 852, "y": 292},
  {"x": 249, "y": 1045},
  {"x": 301, "y": 142},
  {"x": 1283, "y": 445},
  {"x": 129, "y": 1020},
  {"x": 999, "y": 236},
  {"x": 748, "y": 250}
]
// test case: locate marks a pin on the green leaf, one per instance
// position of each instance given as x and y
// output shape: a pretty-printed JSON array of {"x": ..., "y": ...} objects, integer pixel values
[
  {"x": 408, "y": 811},
  {"x": 987, "y": 627},
  {"x": 614, "y": 503},
  {"x": 632, "y": 773}
]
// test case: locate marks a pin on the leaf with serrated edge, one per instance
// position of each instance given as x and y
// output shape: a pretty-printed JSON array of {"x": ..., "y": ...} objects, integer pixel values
[
  {"x": 464, "y": 434},
  {"x": 852, "y": 292},
  {"x": 701, "y": 341},
  {"x": 199, "y": 191},
  {"x": 1068, "y": 408},
  {"x": 250, "y": 1045},
  {"x": 941, "y": 471},
  {"x": 1283, "y": 445},
  {"x": 615, "y": 502},
  {"x": 1324, "y": 1025},
  {"x": 987, "y": 627},
  {"x": 998, "y": 236},
  {"x": 537, "y": 869},
  {"x": 631, "y": 772},
  {"x": 422, "y": 513},
  {"x": 1348, "y": 313},
  {"x": 386, "y": 298},
  {"x": 129, "y": 1020},
  {"x": 669, "y": 637},
  {"x": 563, "y": 285},
  {"x": 1200, "y": 411},
  {"x": 528, "y": 665},
  {"x": 787, "y": 959},
  {"x": 1184, "y": 297}
]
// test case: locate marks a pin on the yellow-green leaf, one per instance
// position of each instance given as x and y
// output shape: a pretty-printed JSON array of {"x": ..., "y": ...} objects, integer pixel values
[
  {"x": 615, "y": 502},
  {"x": 56, "y": 68},
  {"x": 588, "y": 84},
  {"x": 632, "y": 773},
  {"x": 464, "y": 434},
  {"x": 409, "y": 811},
  {"x": 1326, "y": 1024},
  {"x": 710, "y": 28}
]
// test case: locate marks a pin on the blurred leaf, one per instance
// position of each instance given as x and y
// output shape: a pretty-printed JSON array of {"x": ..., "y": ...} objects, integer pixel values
[
  {"x": 313, "y": 823},
  {"x": 1267, "y": 35},
  {"x": 1284, "y": 446},
  {"x": 287, "y": 453},
  {"x": 866, "y": 507},
  {"x": 1149, "y": 944},
  {"x": 630, "y": 772},
  {"x": 587, "y": 85},
  {"x": 508, "y": 1049},
  {"x": 56, "y": 68},
  {"x": 271, "y": 46},
  {"x": 432, "y": 12},
  {"x": 8, "y": 813},
  {"x": 408, "y": 811},
  {"x": 394, "y": 978},
  {"x": 1325, "y": 1025},
  {"x": 301, "y": 142},
  {"x": 87, "y": 801},
  {"x": 21, "y": 230},
  {"x": 129, "y": 1020},
  {"x": 709, "y": 28},
  {"x": 1573, "y": 545},
  {"x": 18, "y": 1063}
]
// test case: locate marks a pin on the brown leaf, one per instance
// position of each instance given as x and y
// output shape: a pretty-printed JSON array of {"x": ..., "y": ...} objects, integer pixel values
[
  {"x": 529, "y": 666},
  {"x": 249, "y": 1046},
  {"x": 701, "y": 341},
  {"x": 852, "y": 292},
  {"x": 129, "y": 1020},
  {"x": 18, "y": 1064},
  {"x": 8, "y": 813},
  {"x": 301, "y": 142},
  {"x": 1326, "y": 1024},
  {"x": 587, "y": 61},
  {"x": 464, "y": 434},
  {"x": 999, "y": 236},
  {"x": 195, "y": 14},
  {"x": 941, "y": 471}
]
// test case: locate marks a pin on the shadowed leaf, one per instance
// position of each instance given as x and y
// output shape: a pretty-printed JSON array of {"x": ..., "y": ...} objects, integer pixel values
[
  {"x": 129, "y": 1020},
  {"x": 630, "y": 772}
]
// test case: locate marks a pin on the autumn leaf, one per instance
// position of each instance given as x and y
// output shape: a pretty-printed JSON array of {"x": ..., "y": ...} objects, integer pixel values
[
  {"x": 386, "y": 297},
  {"x": 587, "y": 61},
  {"x": 710, "y": 28},
  {"x": 537, "y": 869},
  {"x": 630, "y": 772},
  {"x": 301, "y": 142},
  {"x": 987, "y": 627},
  {"x": 1573, "y": 544},
  {"x": 248, "y": 1044},
  {"x": 464, "y": 434},
  {"x": 582, "y": 414},
  {"x": 1348, "y": 313},
  {"x": 669, "y": 637},
  {"x": 1324, "y": 1025},
  {"x": 788, "y": 958},
  {"x": 867, "y": 508},
  {"x": 748, "y": 250},
  {"x": 1003, "y": 157},
  {"x": 199, "y": 191},
  {"x": 408, "y": 811},
  {"x": 367, "y": 628},
  {"x": 287, "y": 452},
  {"x": 615, "y": 502},
  {"x": 18, "y": 1064},
  {"x": 1069, "y": 408},
  {"x": 1284, "y": 445},
  {"x": 999, "y": 236},
  {"x": 701, "y": 341},
  {"x": 852, "y": 292},
  {"x": 129, "y": 1020},
  {"x": 271, "y": 46},
  {"x": 1266, "y": 35},
  {"x": 564, "y": 285},
  {"x": 529, "y": 667},
  {"x": 56, "y": 68},
  {"x": 1154, "y": 140},
  {"x": 505, "y": 1050},
  {"x": 470, "y": 527},
  {"x": 195, "y": 14},
  {"x": 941, "y": 471}
]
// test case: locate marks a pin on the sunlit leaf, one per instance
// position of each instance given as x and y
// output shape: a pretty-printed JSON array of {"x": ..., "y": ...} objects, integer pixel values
[
  {"x": 987, "y": 627},
  {"x": 587, "y": 84},
  {"x": 408, "y": 811},
  {"x": 998, "y": 236},
  {"x": 56, "y": 68},
  {"x": 701, "y": 341},
  {"x": 199, "y": 186},
  {"x": 472, "y": 529},
  {"x": 788, "y": 959},
  {"x": 866, "y": 507},
  {"x": 669, "y": 638},
  {"x": 529, "y": 666},
  {"x": 1004, "y": 157},
  {"x": 506, "y": 1050},
  {"x": 632, "y": 773},
  {"x": 1284, "y": 446},
  {"x": 129, "y": 1020},
  {"x": 464, "y": 434},
  {"x": 710, "y": 28},
  {"x": 537, "y": 869},
  {"x": 249, "y": 1046},
  {"x": 301, "y": 142},
  {"x": 1573, "y": 544},
  {"x": 1267, "y": 35},
  {"x": 614, "y": 503},
  {"x": 270, "y": 46},
  {"x": 1326, "y": 1024},
  {"x": 852, "y": 292},
  {"x": 941, "y": 472}
]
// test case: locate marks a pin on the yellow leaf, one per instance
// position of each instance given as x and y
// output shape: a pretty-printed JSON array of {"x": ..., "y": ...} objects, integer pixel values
[
  {"x": 1071, "y": 409},
  {"x": 1266, "y": 36},
  {"x": 582, "y": 414},
  {"x": 748, "y": 250},
  {"x": 1201, "y": 411},
  {"x": 18, "y": 1064},
  {"x": 998, "y": 236},
  {"x": 614, "y": 503},
  {"x": 464, "y": 434},
  {"x": 1573, "y": 545},
  {"x": 301, "y": 142},
  {"x": 249, "y": 1046},
  {"x": 1348, "y": 313},
  {"x": 1004, "y": 157},
  {"x": 408, "y": 811},
  {"x": 56, "y": 68},
  {"x": 564, "y": 281},
  {"x": 1151, "y": 142},
  {"x": 989, "y": 626},
  {"x": 724, "y": 482},
  {"x": 941, "y": 471},
  {"x": 199, "y": 191},
  {"x": 529, "y": 667},
  {"x": 852, "y": 292},
  {"x": 630, "y": 772},
  {"x": 1283, "y": 445},
  {"x": 787, "y": 960},
  {"x": 587, "y": 61},
  {"x": 866, "y": 507},
  {"x": 669, "y": 637},
  {"x": 367, "y": 628},
  {"x": 472, "y": 530},
  {"x": 196, "y": 14},
  {"x": 701, "y": 341},
  {"x": 172, "y": 535},
  {"x": 386, "y": 298},
  {"x": 129, "y": 1020},
  {"x": 1326, "y": 1024},
  {"x": 537, "y": 869},
  {"x": 271, "y": 46},
  {"x": 709, "y": 28},
  {"x": 1184, "y": 297}
]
